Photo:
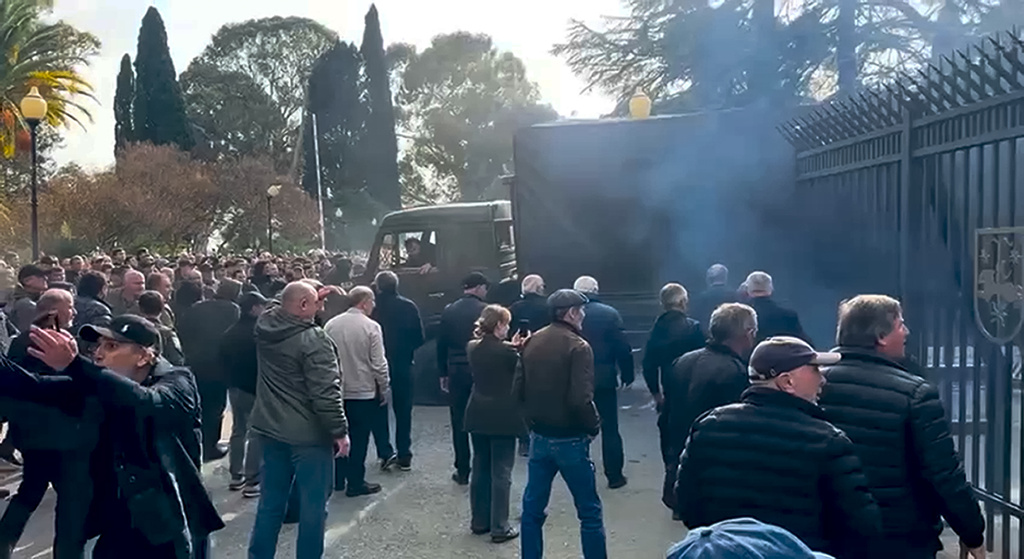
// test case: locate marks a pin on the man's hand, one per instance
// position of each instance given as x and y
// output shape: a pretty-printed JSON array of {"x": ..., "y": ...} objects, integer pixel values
[
  {"x": 56, "y": 348},
  {"x": 341, "y": 447},
  {"x": 444, "y": 384},
  {"x": 518, "y": 340},
  {"x": 659, "y": 400},
  {"x": 385, "y": 398}
]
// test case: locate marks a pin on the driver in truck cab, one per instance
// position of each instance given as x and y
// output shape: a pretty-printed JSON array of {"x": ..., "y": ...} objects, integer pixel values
[{"x": 420, "y": 255}]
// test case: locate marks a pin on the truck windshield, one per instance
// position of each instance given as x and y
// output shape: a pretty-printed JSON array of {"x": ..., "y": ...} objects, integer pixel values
[{"x": 408, "y": 249}]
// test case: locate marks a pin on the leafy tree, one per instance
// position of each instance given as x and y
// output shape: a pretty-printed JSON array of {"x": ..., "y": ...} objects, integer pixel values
[
  {"x": 47, "y": 56},
  {"x": 383, "y": 175},
  {"x": 123, "y": 97},
  {"x": 461, "y": 101},
  {"x": 158, "y": 109},
  {"x": 273, "y": 56}
]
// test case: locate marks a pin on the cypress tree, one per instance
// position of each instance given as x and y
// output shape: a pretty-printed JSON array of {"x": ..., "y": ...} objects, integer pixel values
[
  {"x": 123, "y": 129},
  {"x": 383, "y": 175},
  {"x": 159, "y": 110}
]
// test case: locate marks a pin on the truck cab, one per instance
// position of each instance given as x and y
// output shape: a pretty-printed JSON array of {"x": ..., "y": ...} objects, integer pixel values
[{"x": 431, "y": 249}]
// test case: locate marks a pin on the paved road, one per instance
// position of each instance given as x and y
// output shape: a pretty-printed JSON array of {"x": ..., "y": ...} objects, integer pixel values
[{"x": 423, "y": 514}]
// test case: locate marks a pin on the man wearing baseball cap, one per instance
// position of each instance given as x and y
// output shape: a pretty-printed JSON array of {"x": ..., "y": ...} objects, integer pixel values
[
  {"x": 774, "y": 458},
  {"x": 32, "y": 283},
  {"x": 149, "y": 496}
]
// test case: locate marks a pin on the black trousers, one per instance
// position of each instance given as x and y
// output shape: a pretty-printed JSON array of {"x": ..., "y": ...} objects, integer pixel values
[
  {"x": 213, "y": 397},
  {"x": 489, "y": 488},
  {"x": 70, "y": 476},
  {"x": 401, "y": 402},
  {"x": 460, "y": 386},
  {"x": 362, "y": 416},
  {"x": 607, "y": 402}
]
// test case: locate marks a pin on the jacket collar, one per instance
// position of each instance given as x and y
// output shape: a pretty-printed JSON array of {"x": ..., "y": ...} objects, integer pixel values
[
  {"x": 566, "y": 326},
  {"x": 161, "y": 369},
  {"x": 355, "y": 310},
  {"x": 592, "y": 297},
  {"x": 471, "y": 296},
  {"x": 765, "y": 396},
  {"x": 870, "y": 355},
  {"x": 725, "y": 350}
]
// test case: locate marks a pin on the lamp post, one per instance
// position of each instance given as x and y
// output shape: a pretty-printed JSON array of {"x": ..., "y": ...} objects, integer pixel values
[
  {"x": 272, "y": 192},
  {"x": 33, "y": 110},
  {"x": 639, "y": 105}
]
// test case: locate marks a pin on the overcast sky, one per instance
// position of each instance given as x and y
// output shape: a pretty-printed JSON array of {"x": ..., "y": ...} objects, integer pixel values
[{"x": 526, "y": 27}]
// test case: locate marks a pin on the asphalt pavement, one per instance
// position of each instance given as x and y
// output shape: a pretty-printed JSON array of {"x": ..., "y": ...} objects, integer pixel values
[{"x": 422, "y": 514}]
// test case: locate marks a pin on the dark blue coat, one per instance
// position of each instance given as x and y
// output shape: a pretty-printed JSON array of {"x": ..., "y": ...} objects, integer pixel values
[{"x": 604, "y": 331}]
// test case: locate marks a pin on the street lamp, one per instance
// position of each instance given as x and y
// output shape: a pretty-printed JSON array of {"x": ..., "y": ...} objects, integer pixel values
[
  {"x": 272, "y": 192},
  {"x": 640, "y": 105},
  {"x": 33, "y": 110}
]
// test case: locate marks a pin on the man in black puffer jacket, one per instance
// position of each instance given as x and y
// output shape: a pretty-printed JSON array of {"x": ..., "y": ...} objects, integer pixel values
[
  {"x": 674, "y": 334},
  {"x": 774, "y": 458},
  {"x": 899, "y": 427}
]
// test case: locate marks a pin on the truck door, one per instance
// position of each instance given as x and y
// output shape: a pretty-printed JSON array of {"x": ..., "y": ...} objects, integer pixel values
[{"x": 420, "y": 282}]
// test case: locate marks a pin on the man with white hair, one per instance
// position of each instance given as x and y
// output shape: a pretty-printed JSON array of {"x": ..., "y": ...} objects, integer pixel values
[
  {"x": 772, "y": 319},
  {"x": 531, "y": 310},
  {"x": 716, "y": 294},
  {"x": 604, "y": 331}
]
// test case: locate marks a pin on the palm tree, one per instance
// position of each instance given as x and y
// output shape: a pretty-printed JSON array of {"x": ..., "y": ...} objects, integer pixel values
[{"x": 47, "y": 56}]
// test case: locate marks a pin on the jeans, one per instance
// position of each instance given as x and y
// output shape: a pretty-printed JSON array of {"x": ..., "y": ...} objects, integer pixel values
[
  {"x": 381, "y": 431},
  {"x": 607, "y": 402},
  {"x": 491, "y": 483},
  {"x": 309, "y": 468},
  {"x": 69, "y": 474},
  {"x": 570, "y": 458},
  {"x": 401, "y": 402},
  {"x": 362, "y": 416},
  {"x": 245, "y": 455},
  {"x": 213, "y": 396},
  {"x": 460, "y": 386}
]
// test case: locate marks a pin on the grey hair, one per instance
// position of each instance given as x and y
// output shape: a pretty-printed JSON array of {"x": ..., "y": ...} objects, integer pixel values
[
  {"x": 358, "y": 295},
  {"x": 731, "y": 321},
  {"x": 674, "y": 296},
  {"x": 533, "y": 284},
  {"x": 52, "y": 298},
  {"x": 718, "y": 274},
  {"x": 865, "y": 319},
  {"x": 586, "y": 284},
  {"x": 759, "y": 282}
]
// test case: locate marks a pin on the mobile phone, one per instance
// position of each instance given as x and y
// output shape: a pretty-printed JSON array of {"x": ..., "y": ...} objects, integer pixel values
[
  {"x": 48, "y": 321},
  {"x": 524, "y": 327}
]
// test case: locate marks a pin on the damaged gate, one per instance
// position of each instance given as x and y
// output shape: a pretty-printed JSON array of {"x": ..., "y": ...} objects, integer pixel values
[{"x": 912, "y": 190}]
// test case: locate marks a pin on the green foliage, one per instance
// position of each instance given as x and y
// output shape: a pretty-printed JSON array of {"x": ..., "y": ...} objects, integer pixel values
[
  {"x": 124, "y": 131},
  {"x": 158, "y": 108},
  {"x": 383, "y": 179}
]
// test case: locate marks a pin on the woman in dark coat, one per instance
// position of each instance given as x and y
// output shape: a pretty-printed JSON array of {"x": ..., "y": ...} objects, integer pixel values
[{"x": 493, "y": 422}]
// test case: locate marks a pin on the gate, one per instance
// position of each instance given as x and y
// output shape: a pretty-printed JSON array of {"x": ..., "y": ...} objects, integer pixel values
[{"x": 903, "y": 188}]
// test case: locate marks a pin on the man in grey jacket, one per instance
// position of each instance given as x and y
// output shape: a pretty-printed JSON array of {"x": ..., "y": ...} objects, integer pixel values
[
  {"x": 366, "y": 385},
  {"x": 300, "y": 418}
]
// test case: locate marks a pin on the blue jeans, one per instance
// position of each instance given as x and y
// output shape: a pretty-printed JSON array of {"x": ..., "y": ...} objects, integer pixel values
[
  {"x": 571, "y": 458},
  {"x": 311, "y": 469}
]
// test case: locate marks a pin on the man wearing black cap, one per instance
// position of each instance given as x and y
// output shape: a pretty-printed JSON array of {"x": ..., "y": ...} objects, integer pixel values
[
  {"x": 773, "y": 457},
  {"x": 22, "y": 307},
  {"x": 455, "y": 331},
  {"x": 149, "y": 497},
  {"x": 555, "y": 388}
]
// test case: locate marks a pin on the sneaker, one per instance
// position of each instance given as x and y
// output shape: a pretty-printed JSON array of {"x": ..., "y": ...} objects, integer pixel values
[
  {"x": 366, "y": 489},
  {"x": 251, "y": 491},
  {"x": 461, "y": 479},
  {"x": 237, "y": 483},
  {"x": 507, "y": 535},
  {"x": 617, "y": 483},
  {"x": 387, "y": 463},
  {"x": 405, "y": 464}
]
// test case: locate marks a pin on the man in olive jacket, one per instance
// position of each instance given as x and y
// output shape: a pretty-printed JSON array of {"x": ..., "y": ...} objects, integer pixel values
[{"x": 300, "y": 416}]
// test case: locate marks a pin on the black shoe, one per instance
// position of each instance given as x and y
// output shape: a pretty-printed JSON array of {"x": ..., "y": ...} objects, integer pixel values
[
  {"x": 366, "y": 489},
  {"x": 461, "y": 479},
  {"x": 617, "y": 483},
  {"x": 507, "y": 535},
  {"x": 405, "y": 464},
  {"x": 237, "y": 483},
  {"x": 480, "y": 531},
  {"x": 4, "y": 493},
  {"x": 215, "y": 453},
  {"x": 339, "y": 487},
  {"x": 387, "y": 463}
]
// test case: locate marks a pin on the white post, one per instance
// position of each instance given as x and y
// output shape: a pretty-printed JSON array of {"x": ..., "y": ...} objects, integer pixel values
[{"x": 319, "y": 184}]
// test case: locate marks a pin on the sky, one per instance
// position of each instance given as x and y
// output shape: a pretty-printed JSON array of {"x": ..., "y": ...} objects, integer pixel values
[{"x": 528, "y": 28}]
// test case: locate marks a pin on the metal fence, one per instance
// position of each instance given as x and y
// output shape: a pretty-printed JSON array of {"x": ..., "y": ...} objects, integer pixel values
[{"x": 905, "y": 187}]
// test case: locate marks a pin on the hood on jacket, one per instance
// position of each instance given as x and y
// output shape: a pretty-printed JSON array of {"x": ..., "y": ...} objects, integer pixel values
[{"x": 276, "y": 325}]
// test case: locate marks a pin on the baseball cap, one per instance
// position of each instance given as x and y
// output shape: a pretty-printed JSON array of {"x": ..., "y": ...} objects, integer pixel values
[
  {"x": 742, "y": 538},
  {"x": 781, "y": 354},
  {"x": 566, "y": 299},
  {"x": 247, "y": 301},
  {"x": 31, "y": 271},
  {"x": 474, "y": 279},
  {"x": 126, "y": 328}
]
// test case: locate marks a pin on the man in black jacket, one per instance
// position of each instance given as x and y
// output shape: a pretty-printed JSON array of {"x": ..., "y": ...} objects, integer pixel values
[
  {"x": 774, "y": 458},
  {"x": 772, "y": 320},
  {"x": 456, "y": 329},
  {"x": 532, "y": 309},
  {"x": 613, "y": 359},
  {"x": 400, "y": 322},
  {"x": 673, "y": 335},
  {"x": 149, "y": 499},
  {"x": 238, "y": 357},
  {"x": 899, "y": 427},
  {"x": 718, "y": 293}
]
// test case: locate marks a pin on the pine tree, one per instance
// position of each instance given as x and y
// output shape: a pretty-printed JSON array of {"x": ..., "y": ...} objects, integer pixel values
[
  {"x": 159, "y": 110},
  {"x": 123, "y": 129},
  {"x": 382, "y": 180}
]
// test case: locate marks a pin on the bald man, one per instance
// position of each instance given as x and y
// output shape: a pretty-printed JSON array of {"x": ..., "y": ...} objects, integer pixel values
[
  {"x": 125, "y": 299},
  {"x": 531, "y": 310},
  {"x": 300, "y": 418}
]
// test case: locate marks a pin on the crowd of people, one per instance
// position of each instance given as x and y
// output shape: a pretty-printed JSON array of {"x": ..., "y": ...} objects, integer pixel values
[{"x": 139, "y": 355}]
